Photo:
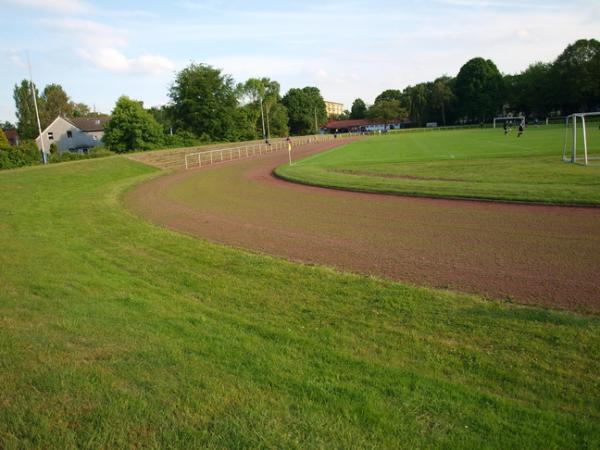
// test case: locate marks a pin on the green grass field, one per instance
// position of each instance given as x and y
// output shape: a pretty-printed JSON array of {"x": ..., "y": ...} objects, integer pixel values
[
  {"x": 481, "y": 164},
  {"x": 115, "y": 333}
]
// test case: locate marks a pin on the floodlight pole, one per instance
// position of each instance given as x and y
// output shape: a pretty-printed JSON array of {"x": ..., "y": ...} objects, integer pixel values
[
  {"x": 37, "y": 113},
  {"x": 268, "y": 126},
  {"x": 262, "y": 115}
]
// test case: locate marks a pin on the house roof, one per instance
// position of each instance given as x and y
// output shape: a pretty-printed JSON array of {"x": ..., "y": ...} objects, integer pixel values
[
  {"x": 89, "y": 123},
  {"x": 11, "y": 135}
]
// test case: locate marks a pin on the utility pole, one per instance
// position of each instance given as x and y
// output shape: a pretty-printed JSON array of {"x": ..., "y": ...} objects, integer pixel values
[
  {"x": 37, "y": 113},
  {"x": 262, "y": 115}
]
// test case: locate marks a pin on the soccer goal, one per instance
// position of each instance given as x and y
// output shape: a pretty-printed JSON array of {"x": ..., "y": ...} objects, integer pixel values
[
  {"x": 515, "y": 120},
  {"x": 582, "y": 138}
]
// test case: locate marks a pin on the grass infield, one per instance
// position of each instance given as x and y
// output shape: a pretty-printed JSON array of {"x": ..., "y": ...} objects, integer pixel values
[
  {"x": 481, "y": 164},
  {"x": 117, "y": 333}
]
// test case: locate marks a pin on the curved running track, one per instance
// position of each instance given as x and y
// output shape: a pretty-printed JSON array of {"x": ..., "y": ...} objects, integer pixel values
[{"x": 543, "y": 255}]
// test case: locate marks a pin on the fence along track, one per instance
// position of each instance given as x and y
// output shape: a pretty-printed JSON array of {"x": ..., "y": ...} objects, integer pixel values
[{"x": 209, "y": 157}]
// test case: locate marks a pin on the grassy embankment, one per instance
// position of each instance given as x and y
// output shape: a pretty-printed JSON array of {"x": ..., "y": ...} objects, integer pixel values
[
  {"x": 117, "y": 333},
  {"x": 458, "y": 164}
]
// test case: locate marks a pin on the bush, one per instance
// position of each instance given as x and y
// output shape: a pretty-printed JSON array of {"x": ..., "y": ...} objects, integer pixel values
[
  {"x": 97, "y": 152},
  {"x": 25, "y": 154}
]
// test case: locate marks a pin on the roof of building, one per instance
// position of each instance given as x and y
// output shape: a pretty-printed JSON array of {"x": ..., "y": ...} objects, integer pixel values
[
  {"x": 11, "y": 135},
  {"x": 89, "y": 123},
  {"x": 348, "y": 123}
]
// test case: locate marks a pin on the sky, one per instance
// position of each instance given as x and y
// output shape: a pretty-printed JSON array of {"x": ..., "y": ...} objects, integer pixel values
[{"x": 100, "y": 50}]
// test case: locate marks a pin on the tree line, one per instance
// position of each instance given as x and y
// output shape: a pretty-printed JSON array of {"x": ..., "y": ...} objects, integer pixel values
[
  {"x": 207, "y": 105},
  {"x": 479, "y": 92}
]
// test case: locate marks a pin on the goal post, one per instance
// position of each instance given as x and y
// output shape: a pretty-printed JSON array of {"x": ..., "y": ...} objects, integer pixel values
[
  {"x": 582, "y": 138},
  {"x": 518, "y": 120}
]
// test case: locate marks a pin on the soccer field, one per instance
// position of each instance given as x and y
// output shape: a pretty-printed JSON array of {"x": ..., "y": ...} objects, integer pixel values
[{"x": 482, "y": 164}]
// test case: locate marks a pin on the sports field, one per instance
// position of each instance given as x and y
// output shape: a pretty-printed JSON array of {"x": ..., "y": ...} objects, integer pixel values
[
  {"x": 483, "y": 164},
  {"x": 118, "y": 333}
]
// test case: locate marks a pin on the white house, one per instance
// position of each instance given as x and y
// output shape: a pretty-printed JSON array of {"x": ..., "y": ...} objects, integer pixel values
[{"x": 73, "y": 134}]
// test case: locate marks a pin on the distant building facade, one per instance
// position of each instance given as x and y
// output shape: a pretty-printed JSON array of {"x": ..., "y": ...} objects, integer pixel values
[
  {"x": 363, "y": 125},
  {"x": 76, "y": 135},
  {"x": 333, "y": 108}
]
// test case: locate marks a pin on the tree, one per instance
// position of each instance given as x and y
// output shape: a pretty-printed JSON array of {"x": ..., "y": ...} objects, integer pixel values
[
  {"x": 205, "y": 102},
  {"x": 387, "y": 110},
  {"x": 131, "y": 128},
  {"x": 418, "y": 101},
  {"x": 54, "y": 102},
  {"x": 358, "y": 110},
  {"x": 79, "y": 109},
  {"x": 304, "y": 106},
  {"x": 25, "y": 110},
  {"x": 389, "y": 94},
  {"x": 441, "y": 96},
  {"x": 266, "y": 91},
  {"x": 8, "y": 126},
  {"x": 479, "y": 89},
  {"x": 3, "y": 140},
  {"x": 576, "y": 76}
]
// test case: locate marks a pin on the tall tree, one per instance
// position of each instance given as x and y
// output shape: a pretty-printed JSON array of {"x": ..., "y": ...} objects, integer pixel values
[
  {"x": 266, "y": 91},
  {"x": 441, "y": 96},
  {"x": 25, "y": 110},
  {"x": 479, "y": 88},
  {"x": 359, "y": 109},
  {"x": 304, "y": 106},
  {"x": 8, "y": 126},
  {"x": 55, "y": 102},
  {"x": 131, "y": 128},
  {"x": 576, "y": 76},
  {"x": 387, "y": 111},
  {"x": 389, "y": 94},
  {"x": 205, "y": 102}
]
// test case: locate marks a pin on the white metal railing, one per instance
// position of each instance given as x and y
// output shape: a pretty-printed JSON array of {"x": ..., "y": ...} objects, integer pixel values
[{"x": 209, "y": 157}]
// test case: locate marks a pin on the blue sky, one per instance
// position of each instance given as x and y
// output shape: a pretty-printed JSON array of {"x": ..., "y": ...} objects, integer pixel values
[{"x": 100, "y": 50}]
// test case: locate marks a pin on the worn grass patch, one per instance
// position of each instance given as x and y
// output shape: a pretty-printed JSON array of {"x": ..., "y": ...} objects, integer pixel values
[
  {"x": 117, "y": 333},
  {"x": 482, "y": 164}
]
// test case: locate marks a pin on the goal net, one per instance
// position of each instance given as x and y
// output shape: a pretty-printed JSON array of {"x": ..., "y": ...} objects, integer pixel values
[
  {"x": 513, "y": 121},
  {"x": 582, "y": 138}
]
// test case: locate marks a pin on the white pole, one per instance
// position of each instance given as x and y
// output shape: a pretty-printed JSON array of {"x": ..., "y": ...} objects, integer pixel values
[
  {"x": 574, "y": 154},
  {"x": 585, "y": 153},
  {"x": 262, "y": 115},
  {"x": 290, "y": 152},
  {"x": 37, "y": 114}
]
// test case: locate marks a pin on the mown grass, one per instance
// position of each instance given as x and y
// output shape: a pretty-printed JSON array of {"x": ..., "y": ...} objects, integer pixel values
[
  {"x": 116, "y": 333},
  {"x": 481, "y": 164}
]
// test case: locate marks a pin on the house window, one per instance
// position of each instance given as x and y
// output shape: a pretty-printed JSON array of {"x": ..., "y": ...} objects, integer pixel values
[
  {"x": 69, "y": 134},
  {"x": 50, "y": 135}
]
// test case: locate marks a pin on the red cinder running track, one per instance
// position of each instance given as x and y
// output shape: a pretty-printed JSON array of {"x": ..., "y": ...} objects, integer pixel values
[{"x": 542, "y": 255}]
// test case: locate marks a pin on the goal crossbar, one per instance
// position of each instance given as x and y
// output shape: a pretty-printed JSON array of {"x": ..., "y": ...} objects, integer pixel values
[
  {"x": 521, "y": 119},
  {"x": 573, "y": 118}
]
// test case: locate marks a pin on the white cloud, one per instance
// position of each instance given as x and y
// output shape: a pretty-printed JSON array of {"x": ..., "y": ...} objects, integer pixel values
[
  {"x": 113, "y": 60},
  {"x": 87, "y": 31},
  {"x": 62, "y": 6}
]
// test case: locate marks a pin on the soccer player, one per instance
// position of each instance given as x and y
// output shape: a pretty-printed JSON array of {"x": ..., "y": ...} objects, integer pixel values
[
  {"x": 505, "y": 128},
  {"x": 521, "y": 128}
]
